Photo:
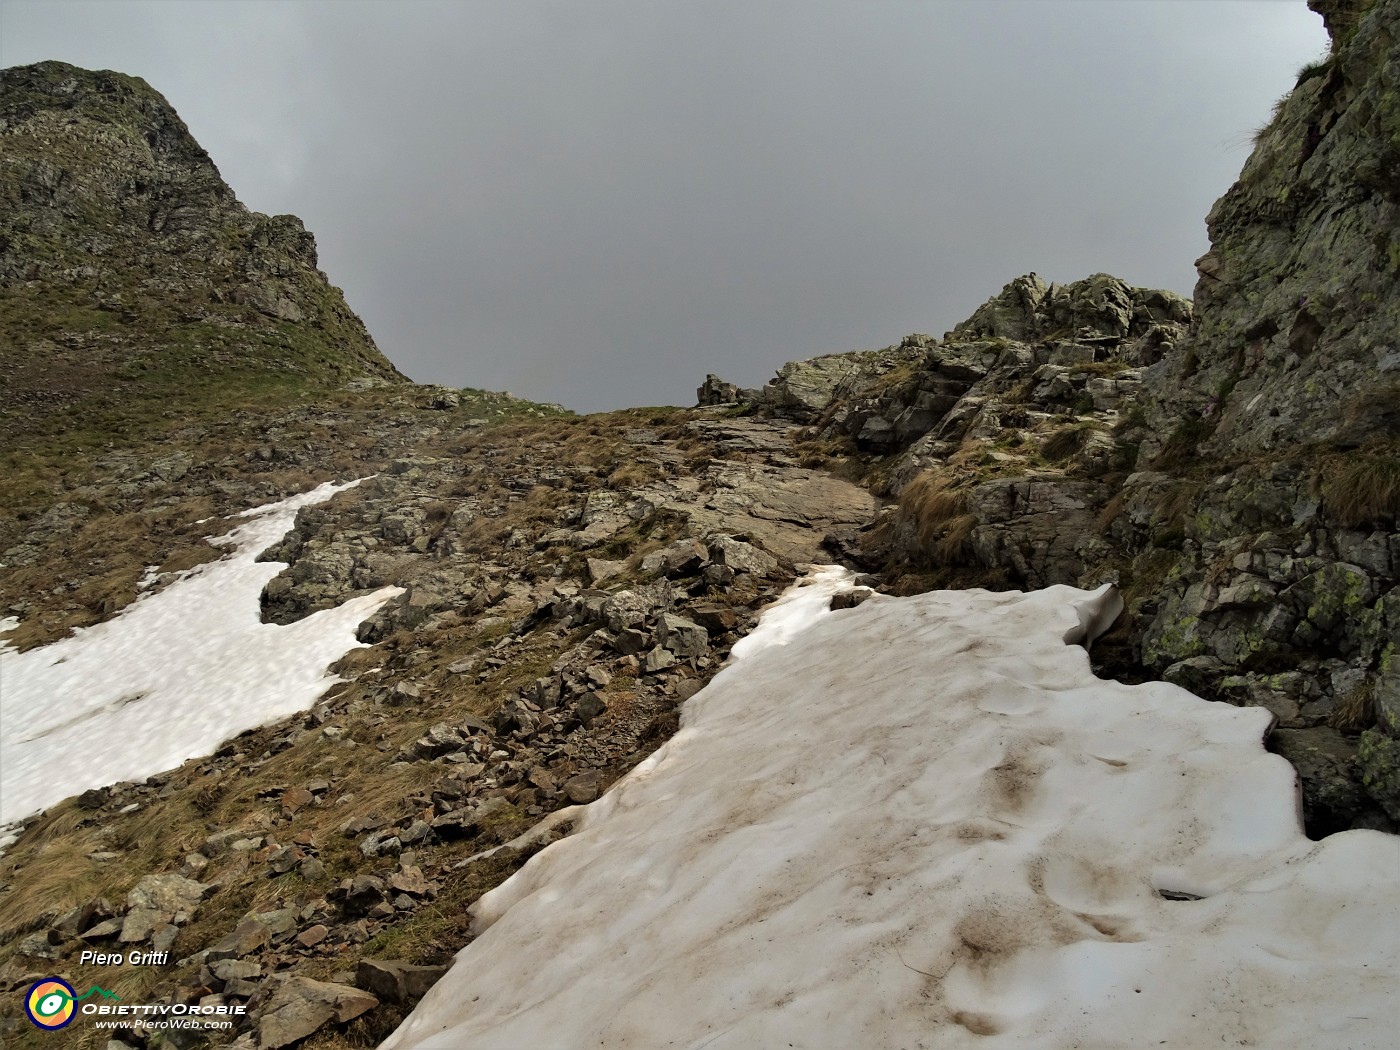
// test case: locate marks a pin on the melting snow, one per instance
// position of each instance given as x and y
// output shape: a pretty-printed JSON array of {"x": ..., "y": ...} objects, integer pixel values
[
  {"x": 923, "y": 822},
  {"x": 173, "y": 676}
]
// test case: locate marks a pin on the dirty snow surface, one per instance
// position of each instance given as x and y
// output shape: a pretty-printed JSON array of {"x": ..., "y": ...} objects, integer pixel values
[
  {"x": 174, "y": 675},
  {"x": 923, "y": 822}
]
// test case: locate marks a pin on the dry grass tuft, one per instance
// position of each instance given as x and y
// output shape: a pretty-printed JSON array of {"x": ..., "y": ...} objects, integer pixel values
[
  {"x": 1171, "y": 509},
  {"x": 1110, "y": 513},
  {"x": 57, "y": 873},
  {"x": 1356, "y": 710},
  {"x": 931, "y": 500},
  {"x": 633, "y": 475},
  {"x": 954, "y": 546},
  {"x": 1066, "y": 442},
  {"x": 1364, "y": 489},
  {"x": 935, "y": 506},
  {"x": 1179, "y": 451}
]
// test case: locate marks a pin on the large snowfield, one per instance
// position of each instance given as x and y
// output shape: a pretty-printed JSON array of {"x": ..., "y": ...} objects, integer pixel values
[
  {"x": 172, "y": 677},
  {"x": 923, "y": 822}
]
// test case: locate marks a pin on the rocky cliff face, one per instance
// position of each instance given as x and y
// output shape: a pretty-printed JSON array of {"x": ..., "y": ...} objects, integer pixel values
[
  {"x": 130, "y": 273},
  {"x": 1276, "y": 428}
]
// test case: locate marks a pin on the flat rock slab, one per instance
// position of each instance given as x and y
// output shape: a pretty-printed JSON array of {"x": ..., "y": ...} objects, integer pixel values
[
  {"x": 787, "y": 509},
  {"x": 302, "y": 1005}
]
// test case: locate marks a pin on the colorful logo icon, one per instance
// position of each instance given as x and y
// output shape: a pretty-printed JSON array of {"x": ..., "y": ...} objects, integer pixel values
[{"x": 49, "y": 1003}]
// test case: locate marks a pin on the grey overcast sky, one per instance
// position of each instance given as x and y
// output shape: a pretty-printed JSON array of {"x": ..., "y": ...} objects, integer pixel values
[{"x": 598, "y": 203}]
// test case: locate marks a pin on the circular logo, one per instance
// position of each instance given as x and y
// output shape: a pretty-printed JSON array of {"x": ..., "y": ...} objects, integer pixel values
[{"x": 49, "y": 1003}]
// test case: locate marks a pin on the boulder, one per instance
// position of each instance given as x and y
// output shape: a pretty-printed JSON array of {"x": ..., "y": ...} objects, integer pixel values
[
  {"x": 631, "y": 642},
  {"x": 247, "y": 937},
  {"x": 683, "y": 558},
  {"x": 850, "y": 599},
  {"x": 140, "y": 923},
  {"x": 395, "y": 981},
  {"x": 168, "y": 893},
  {"x": 312, "y": 935},
  {"x": 632, "y": 608},
  {"x": 583, "y": 788},
  {"x": 590, "y": 706},
  {"x": 363, "y": 893},
  {"x": 1330, "y": 793},
  {"x": 738, "y": 556},
  {"x": 657, "y": 660},
  {"x": 715, "y": 391},
  {"x": 600, "y": 569},
  {"x": 803, "y": 389},
  {"x": 681, "y": 637}
]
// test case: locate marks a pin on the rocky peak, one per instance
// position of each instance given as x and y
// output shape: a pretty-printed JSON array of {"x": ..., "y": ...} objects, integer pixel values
[
  {"x": 128, "y": 266},
  {"x": 105, "y": 118}
]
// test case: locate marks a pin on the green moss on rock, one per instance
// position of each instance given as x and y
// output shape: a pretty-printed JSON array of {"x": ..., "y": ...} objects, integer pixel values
[{"x": 1379, "y": 758}]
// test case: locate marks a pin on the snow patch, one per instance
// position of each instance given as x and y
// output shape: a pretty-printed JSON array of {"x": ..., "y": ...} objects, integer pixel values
[
  {"x": 923, "y": 822},
  {"x": 171, "y": 677},
  {"x": 7, "y": 624}
]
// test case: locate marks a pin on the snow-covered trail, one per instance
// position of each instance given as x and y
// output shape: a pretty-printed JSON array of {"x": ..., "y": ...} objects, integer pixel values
[
  {"x": 171, "y": 677},
  {"x": 923, "y": 822}
]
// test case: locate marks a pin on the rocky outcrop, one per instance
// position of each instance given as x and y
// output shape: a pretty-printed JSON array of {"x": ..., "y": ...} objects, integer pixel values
[
  {"x": 1081, "y": 345},
  {"x": 1067, "y": 434},
  {"x": 1100, "y": 307},
  {"x": 1015, "y": 421},
  {"x": 1239, "y": 471},
  {"x": 803, "y": 390},
  {"x": 716, "y": 391}
]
